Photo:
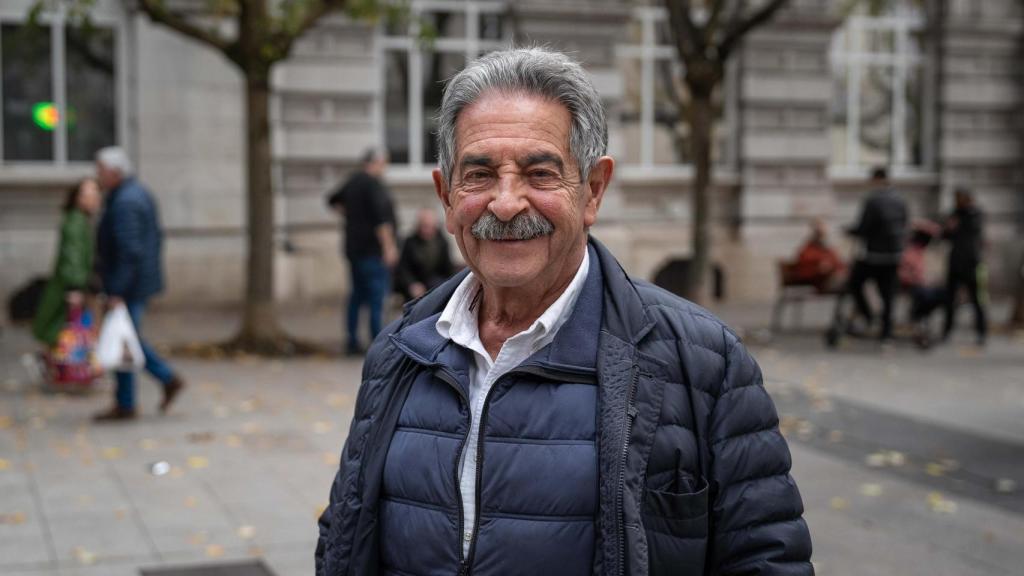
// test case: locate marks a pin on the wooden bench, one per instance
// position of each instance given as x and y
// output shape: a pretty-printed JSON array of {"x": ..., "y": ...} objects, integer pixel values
[{"x": 795, "y": 291}]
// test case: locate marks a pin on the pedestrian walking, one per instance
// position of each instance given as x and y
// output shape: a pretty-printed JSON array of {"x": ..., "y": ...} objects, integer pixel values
[
  {"x": 425, "y": 261},
  {"x": 964, "y": 231},
  {"x": 73, "y": 263},
  {"x": 543, "y": 413},
  {"x": 881, "y": 230},
  {"x": 370, "y": 243},
  {"x": 129, "y": 256}
]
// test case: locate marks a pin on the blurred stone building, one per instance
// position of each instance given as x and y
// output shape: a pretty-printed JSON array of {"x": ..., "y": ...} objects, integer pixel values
[{"x": 932, "y": 89}]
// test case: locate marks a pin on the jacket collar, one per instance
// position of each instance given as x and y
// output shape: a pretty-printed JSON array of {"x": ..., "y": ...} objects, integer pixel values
[
  {"x": 574, "y": 347},
  {"x": 624, "y": 313}
]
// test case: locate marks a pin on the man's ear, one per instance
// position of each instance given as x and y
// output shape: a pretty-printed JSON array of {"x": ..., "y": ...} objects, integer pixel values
[
  {"x": 597, "y": 184},
  {"x": 442, "y": 191}
]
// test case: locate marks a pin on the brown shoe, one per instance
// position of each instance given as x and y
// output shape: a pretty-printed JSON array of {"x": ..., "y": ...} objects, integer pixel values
[
  {"x": 116, "y": 414},
  {"x": 171, "y": 391}
]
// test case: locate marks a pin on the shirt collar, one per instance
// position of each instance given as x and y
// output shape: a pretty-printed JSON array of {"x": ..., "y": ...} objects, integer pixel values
[{"x": 458, "y": 320}]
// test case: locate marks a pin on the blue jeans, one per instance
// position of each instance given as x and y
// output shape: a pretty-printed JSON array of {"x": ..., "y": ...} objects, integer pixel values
[
  {"x": 155, "y": 365},
  {"x": 371, "y": 282}
]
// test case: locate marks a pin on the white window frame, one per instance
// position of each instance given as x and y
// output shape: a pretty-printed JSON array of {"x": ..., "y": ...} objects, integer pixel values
[
  {"x": 56, "y": 19},
  {"x": 469, "y": 46},
  {"x": 648, "y": 53},
  {"x": 853, "y": 58}
]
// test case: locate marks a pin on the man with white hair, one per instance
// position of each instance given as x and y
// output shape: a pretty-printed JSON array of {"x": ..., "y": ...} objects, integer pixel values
[
  {"x": 544, "y": 413},
  {"x": 129, "y": 261}
]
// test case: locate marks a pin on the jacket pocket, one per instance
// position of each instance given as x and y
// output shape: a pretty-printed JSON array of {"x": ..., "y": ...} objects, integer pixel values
[{"x": 677, "y": 531}]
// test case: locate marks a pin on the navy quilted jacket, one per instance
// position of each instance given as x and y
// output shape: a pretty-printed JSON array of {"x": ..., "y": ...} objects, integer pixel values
[
  {"x": 693, "y": 474},
  {"x": 128, "y": 243}
]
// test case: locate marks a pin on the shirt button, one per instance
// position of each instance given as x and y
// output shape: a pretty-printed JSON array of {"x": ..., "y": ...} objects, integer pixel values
[{"x": 467, "y": 536}]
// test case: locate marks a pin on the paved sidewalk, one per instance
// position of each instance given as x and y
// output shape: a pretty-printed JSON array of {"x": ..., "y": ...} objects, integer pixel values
[{"x": 909, "y": 463}]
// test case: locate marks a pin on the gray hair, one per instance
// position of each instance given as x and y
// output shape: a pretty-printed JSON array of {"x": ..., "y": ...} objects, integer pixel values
[
  {"x": 115, "y": 158},
  {"x": 536, "y": 71}
]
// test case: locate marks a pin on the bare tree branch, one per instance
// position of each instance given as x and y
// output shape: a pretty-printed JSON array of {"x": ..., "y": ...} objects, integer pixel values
[
  {"x": 159, "y": 13},
  {"x": 739, "y": 28},
  {"x": 687, "y": 36},
  {"x": 714, "y": 19}
]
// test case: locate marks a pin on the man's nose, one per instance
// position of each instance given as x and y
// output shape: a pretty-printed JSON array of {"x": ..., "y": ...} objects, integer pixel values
[{"x": 510, "y": 197}]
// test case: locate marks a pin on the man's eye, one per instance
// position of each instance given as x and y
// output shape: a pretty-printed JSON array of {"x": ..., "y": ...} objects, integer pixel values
[
  {"x": 476, "y": 176},
  {"x": 543, "y": 175}
]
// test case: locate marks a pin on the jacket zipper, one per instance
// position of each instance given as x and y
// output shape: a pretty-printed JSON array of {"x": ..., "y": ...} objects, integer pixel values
[
  {"x": 448, "y": 378},
  {"x": 631, "y": 413},
  {"x": 464, "y": 568}
]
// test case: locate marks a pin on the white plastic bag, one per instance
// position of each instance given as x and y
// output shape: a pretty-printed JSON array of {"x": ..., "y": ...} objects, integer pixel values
[{"x": 118, "y": 347}]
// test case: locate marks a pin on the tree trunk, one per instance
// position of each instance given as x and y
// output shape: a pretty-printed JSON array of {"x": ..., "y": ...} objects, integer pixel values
[
  {"x": 701, "y": 118},
  {"x": 259, "y": 324}
]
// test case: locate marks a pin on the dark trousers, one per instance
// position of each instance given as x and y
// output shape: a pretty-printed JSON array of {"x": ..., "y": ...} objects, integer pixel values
[
  {"x": 155, "y": 365},
  {"x": 885, "y": 277},
  {"x": 966, "y": 277},
  {"x": 371, "y": 283}
]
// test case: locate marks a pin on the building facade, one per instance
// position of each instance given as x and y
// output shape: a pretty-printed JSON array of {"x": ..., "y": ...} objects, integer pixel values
[{"x": 932, "y": 89}]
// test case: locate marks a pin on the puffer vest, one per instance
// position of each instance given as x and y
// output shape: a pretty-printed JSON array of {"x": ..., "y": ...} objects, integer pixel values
[{"x": 537, "y": 475}]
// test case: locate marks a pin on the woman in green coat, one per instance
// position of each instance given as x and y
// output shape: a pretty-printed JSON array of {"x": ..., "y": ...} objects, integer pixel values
[{"x": 73, "y": 264}]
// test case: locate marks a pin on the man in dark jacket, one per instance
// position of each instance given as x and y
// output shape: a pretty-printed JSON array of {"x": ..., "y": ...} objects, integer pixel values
[
  {"x": 129, "y": 261},
  {"x": 964, "y": 231},
  {"x": 370, "y": 244},
  {"x": 882, "y": 231},
  {"x": 425, "y": 262},
  {"x": 543, "y": 413}
]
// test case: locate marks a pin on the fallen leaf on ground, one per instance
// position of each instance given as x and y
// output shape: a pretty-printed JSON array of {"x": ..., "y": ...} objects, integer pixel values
[
  {"x": 84, "y": 555},
  {"x": 939, "y": 503},
  {"x": 233, "y": 440},
  {"x": 4, "y": 464},
  {"x": 876, "y": 460},
  {"x": 198, "y": 462},
  {"x": 214, "y": 550},
  {"x": 13, "y": 519},
  {"x": 336, "y": 400},
  {"x": 112, "y": 453},
  {"x": 835, "y": 436},
  {"x": 199, "y": 437},
  {"x": 246, "y": 532},
  {"x": 148, "y": 444},
  {"x": 191, "y": 502},
  {"x": 894, "y": 458},
  {"x": 871, "y": 489},
  {"x": 838, "y": 503},
  {"x": 1006, "y": 485}
]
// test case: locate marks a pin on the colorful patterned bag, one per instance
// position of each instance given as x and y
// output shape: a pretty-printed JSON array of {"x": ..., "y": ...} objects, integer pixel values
[{"x": 72, "y": 361}]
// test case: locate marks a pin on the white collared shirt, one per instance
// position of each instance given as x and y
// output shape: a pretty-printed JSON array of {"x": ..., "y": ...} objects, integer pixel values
[{"x": 458, "y": 323}]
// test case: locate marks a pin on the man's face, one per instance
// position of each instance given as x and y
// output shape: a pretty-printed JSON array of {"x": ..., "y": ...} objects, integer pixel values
[
  {"x": 512, "y": 159},
  {"x": 107, "y": 178}
]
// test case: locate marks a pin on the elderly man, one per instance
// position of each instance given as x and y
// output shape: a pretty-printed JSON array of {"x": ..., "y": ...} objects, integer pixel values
[
  {"x": 543, "y": 413},
  {"x": 128, "y": 250}
]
